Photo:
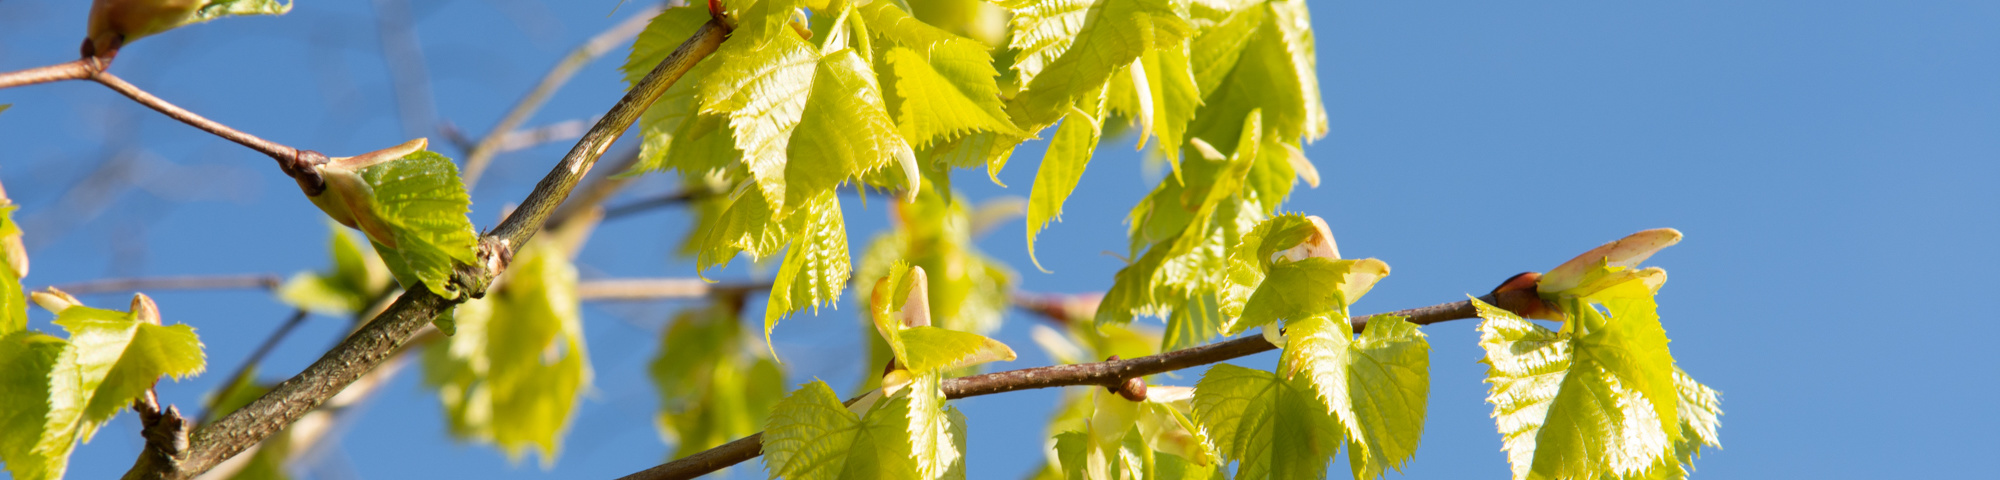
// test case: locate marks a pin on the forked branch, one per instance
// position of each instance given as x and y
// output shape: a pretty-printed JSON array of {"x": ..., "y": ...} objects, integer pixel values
[{"x": 378, "y": 341}]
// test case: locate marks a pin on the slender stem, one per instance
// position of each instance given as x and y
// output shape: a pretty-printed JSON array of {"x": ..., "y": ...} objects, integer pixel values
[
  {"x": 296, "y": 163},
  {"x": 249, "y": 365},
  {"x": 189, "y": 282},
  {"x": 379, "y": 340},
  {"x": 677, "y": 197},
  {"x": 1105, "y": 374},
  {"x": 71, "y": 70},
  {"x": 656, "y": 289},
  {"x": 482, "y": 153}
]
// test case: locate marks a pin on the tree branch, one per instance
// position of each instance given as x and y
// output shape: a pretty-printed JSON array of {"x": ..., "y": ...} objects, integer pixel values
[
  {"x": 188, "y": 282},
  {"x": 72, "y": 70},
  {"x": 1105, "y": 374},
  {"x": 378, "y": 340},
  {"x": 482, "y": 153}
]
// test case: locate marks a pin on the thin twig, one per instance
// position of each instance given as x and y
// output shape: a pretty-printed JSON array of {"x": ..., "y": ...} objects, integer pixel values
[
  {"x": 403, "y": 55},
  {"x": 71, "y": 70},
  {"x": 676, "y": 197},
  {"x": 249, "y": 365},
  {"x": 379, "y": 340},
  {"x": 296, "y": 163},
  {"x": 1105, "y": 374},
  {"x": 482, "y": 153},
  {"x": 656, "y": 289},
  {"x": 191, "y": 282}
]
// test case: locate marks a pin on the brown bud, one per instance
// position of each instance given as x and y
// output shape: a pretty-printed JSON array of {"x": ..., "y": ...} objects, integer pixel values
[
  {"x": 1133, "y": 389},
  {"x": 144, "y": 310},
  {"x": 1518, "y": 295}
]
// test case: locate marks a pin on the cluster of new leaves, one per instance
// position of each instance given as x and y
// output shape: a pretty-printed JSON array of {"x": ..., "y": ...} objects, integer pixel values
[
  {"x": 1332, "y": 386},
  {"x": 56, "y": 391},
  {"x": 715, "y": 384},
  {"x": 1098, "y": 434},
  {"x": 1601, "y": 397},
  {"x": 514, "y": 372},
  {"x": 968, "y": 290},
  {"x": 901, "y": 430}
]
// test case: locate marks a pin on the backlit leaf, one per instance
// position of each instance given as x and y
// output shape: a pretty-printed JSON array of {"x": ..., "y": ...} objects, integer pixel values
[
  {"x": 1062, "y": 167},
  {"x": 514, "y": 373},
  {"x": 1375, "y": 385},
  {"x": 357, "y": 277},
  {"x": 816, "y": 264},
  {"x": 1272, "y": 427},
  {"x": 1114, "y": 33},
  {"x": 421, "y": 202},
  {"x": 812, "y": 436}
]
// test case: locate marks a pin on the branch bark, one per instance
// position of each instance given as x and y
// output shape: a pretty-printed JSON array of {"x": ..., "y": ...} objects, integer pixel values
[
  {"x": 1104, "y": 374},
  {"x": 378, "y": 341}
]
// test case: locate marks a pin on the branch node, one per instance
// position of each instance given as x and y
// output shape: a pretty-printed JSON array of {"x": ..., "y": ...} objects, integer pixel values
[
  {"x": 166, "y": 434},
  {"x": 302, "y": 168}
]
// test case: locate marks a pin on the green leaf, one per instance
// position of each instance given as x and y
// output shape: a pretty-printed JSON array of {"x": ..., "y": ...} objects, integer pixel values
[
  {"x": 1296, "y": 290},
  {"x": 1171, "y": 90},
  {"x": 13, "y": 266},
  {"x": 513, "y": 375},
  {"x": 811, "y": 436},
  {"x": 932, "y": 349},
  {"x": 5, "y": 106},
  {"x": 1601, "y": 398},
  {"x": 968, "y": 291},
  {"x": 27, "y": 358},
  {"x": 746, "y": 225},
  {"x": 1115, "y": 33},
  {"x": 1258, "y": 58},
  {"x": 1272, "y": 427},
  {"x": 54, "y": 392},
  {"x": 1375, "y": 385},
  {"x": 1042, "y": 31},
  {"x": 355, "y": 280},
  {"x": 675, "y": 135},
  {"x": 1062, "y": 167},
  {"x": 786, "y": 99},
  {"x": 816, "y": 264},
  {"x": 944, "y": 84},
  {"x": 411, "y": 205}
]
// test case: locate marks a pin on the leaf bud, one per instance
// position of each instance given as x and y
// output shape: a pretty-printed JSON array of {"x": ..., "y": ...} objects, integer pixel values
[
  {"x": 55, "y": 301},
  {"x": 144, "y": 310}
]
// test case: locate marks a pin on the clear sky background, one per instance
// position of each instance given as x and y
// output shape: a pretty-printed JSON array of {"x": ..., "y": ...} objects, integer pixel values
[{"x": 1832, "y": 164}]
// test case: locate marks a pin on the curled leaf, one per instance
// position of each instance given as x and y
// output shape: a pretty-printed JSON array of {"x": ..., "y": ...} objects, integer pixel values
[{"x": 1626, "y": 252}]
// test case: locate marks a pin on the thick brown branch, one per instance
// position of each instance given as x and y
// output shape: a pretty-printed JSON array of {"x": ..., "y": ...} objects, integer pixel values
[
  {"x": 1105, "y": 374},
  {"x": 378, "y": 340}
]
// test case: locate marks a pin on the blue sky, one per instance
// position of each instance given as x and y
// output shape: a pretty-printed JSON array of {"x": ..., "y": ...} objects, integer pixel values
[{"x": 1831, "y": 163}]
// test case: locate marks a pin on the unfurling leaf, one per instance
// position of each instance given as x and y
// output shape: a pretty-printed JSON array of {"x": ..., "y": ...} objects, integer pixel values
[
  {"x": 1603, "y": 398},
  {"x": 54, "y": 392},
  {"x": 900, "y": 303},
  {"x": 119, "y": 22},
  {"x": 411, "y": 204},
  {"x": 513, "y": 375},
  {"x": 1287, "y": 268},
  {"x": 812, "y": 436}
]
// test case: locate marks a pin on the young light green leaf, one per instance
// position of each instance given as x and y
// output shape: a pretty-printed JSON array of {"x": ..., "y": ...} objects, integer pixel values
[
  {"x": 1042, "y": 31},
  {"x": 811, "y": 436},
  {"x": 1272, "y": 427},
  {"x": 513, "y": 376},
  {"x": 1113, "y": 35},
  {"x": 356, "y": 279},
  {"x": 1376, "y": 385},
  {"x": 1296, "y": 290},
  {"x": 27, "y": 358},
  {"x": 675, "y": 135},
  {"x": 56, "y": 392},
  {"x": 932, "y": 349},
  {"x": 816, "y": 264},
  {"x": 1258, "y": 58},
  {"x": 777, "y": 88},
  {"x": 1563, "y": 400},
  {"x": 411, "y": 205},
  {"x": 944, "y": 83},
  {"x": 1062, "y": 167},
  {"x": 13, "y": 266},
  {"x": 747, "y": 225}
]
